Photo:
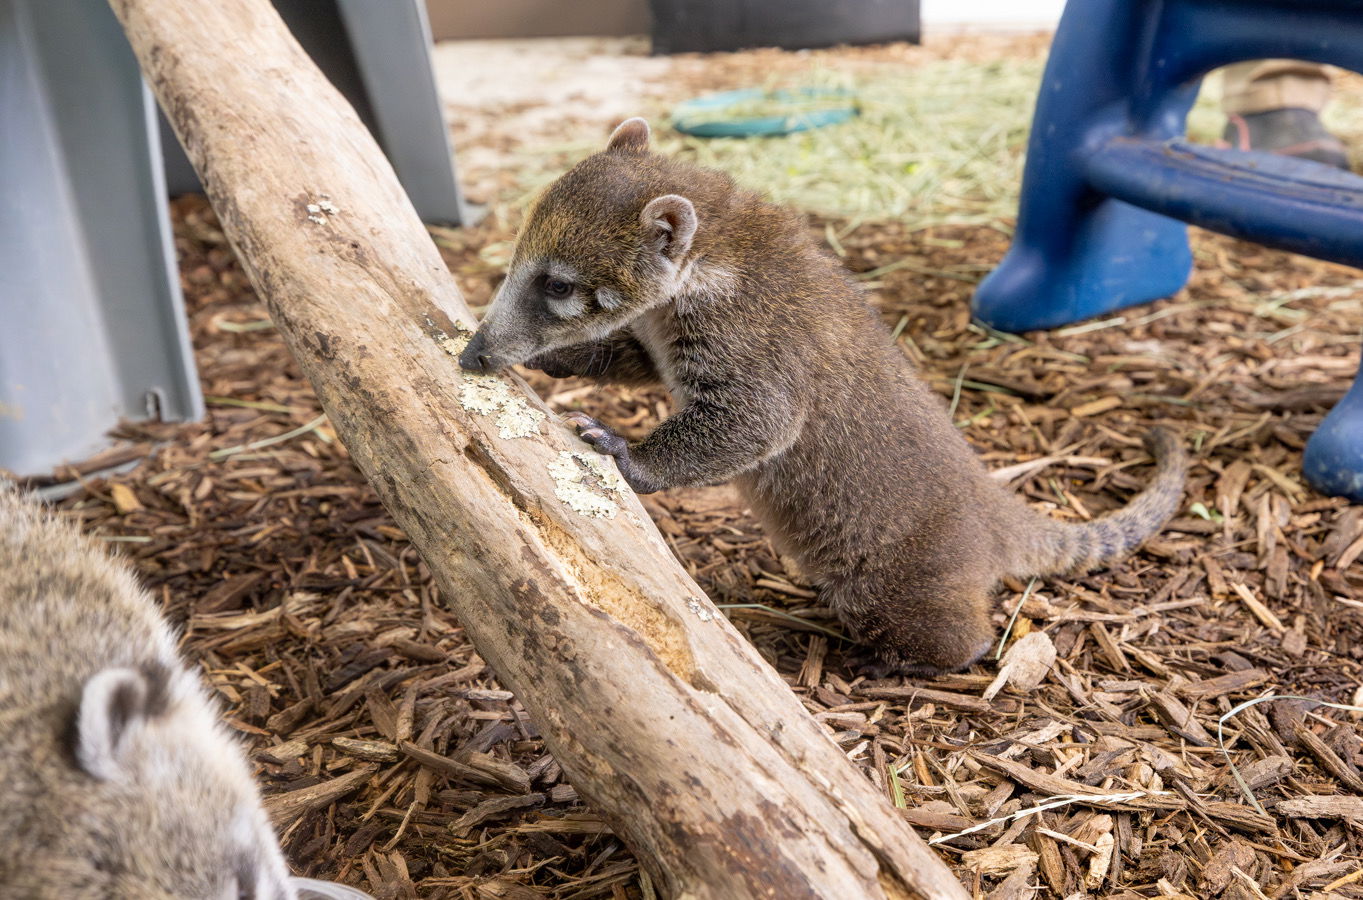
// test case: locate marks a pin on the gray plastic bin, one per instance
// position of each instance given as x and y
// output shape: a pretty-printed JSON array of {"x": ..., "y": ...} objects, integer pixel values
[
  {"x": 92, "y": 327},
  {"x": 377, "y": 53},
  {"x": 92, "y": 322}
]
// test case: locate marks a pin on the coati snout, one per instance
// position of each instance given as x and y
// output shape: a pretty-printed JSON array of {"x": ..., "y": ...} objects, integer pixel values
[
  {"x": 788, "y": 383},
  {"x": 476, "y": 358}
]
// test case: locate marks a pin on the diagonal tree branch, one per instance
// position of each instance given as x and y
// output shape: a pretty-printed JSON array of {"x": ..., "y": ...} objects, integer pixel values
[{"x": 662, "y": 715}]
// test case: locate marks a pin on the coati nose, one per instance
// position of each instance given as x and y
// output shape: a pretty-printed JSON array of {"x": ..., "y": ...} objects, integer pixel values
[{"x": 475, "y": 358}]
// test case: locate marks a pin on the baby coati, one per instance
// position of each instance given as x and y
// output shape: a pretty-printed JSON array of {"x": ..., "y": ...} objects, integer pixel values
[
  {"x": 119, "y": 782},
  {"x": 635, "y": 267}
]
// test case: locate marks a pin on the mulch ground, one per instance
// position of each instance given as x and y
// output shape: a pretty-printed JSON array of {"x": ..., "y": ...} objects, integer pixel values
[{"x": 394, "y": 761}]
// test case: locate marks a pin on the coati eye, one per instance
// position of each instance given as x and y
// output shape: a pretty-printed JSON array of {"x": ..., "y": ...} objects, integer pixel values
[{"x": 557, "y": 288}]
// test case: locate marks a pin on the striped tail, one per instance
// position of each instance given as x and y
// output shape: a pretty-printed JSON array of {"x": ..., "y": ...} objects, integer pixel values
[{"x": 1056, "y": 547}]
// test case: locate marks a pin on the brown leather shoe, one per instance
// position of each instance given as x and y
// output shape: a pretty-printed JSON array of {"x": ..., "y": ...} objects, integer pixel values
[{"x": 1290, "y": 132}]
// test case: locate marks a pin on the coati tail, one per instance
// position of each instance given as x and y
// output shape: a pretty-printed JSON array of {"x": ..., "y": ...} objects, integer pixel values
[{"x": 1063, "y": 547}]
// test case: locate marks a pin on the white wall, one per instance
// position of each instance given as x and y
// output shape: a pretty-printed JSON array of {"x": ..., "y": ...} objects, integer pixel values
[{"x": 1031, "y": 11}]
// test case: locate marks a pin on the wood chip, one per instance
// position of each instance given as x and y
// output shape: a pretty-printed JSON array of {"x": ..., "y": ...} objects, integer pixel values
[
  {"x": 478, "y": 769},
  {"x": 282, "y": 753},
  {"x": 1217, "y": 874},
  {"x": 1025, "y": 664},
  {"x": 1261, "y": 612},
  {"x": 490, "y": 809},
  {"x": 1234, "y": 815},
  {"x": 1266, "y": 772},
  {"x": 125, "y": 501},
  {"x": 935, "y": 820},
  {"x": 1017, "y": 886},
  {"x": 374, "y": 751},
  {"x": 998, "y": 860},
  {"x": 1178, "y": 718},
  {"x": 1224, "y": 685},
  {"x": 1317, "y": 806},
  {"x": 917, "y": 696},
  {"x": 1094, "y": 407},
  {"x": 1329, "y": 760},
  {"x": 284, "y": 808}
]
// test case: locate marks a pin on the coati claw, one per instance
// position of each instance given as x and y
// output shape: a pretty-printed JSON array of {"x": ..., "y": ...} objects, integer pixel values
[
  {"x": 580, "y": 419},
  {"x": 598, "y": 434},
  {"x": 606, "y": 441}
]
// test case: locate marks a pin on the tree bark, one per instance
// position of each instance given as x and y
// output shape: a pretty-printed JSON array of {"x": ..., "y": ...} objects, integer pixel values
[{"x": 660, "y": 712}]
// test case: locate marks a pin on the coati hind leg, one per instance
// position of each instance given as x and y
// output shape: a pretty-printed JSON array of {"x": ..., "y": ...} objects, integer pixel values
[{"x": 923, "y": 625}]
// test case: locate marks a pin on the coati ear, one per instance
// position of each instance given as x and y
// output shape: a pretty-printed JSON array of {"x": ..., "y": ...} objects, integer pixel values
[
  {"x": 669, "y": 225},
  {"x": 630, "y": 136},
  {"x": 113, "y": 704}
]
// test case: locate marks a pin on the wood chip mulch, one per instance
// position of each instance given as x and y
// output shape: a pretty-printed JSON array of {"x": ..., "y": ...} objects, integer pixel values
[{"x": 394, "y": 761}]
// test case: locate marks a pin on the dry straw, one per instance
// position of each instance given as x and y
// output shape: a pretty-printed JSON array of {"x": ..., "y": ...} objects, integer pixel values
[{"x": 940, "y": 143}]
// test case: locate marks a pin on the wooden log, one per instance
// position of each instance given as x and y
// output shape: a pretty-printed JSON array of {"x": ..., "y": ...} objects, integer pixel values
[{"x": 661, "y": 714}]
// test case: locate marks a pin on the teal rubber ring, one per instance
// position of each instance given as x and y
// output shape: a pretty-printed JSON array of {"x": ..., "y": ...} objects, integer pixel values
[{"x": 704, "y": 116}]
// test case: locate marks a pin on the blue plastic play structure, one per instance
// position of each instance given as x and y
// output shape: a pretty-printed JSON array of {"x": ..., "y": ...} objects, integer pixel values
[{"x": 1109, "y": 182}]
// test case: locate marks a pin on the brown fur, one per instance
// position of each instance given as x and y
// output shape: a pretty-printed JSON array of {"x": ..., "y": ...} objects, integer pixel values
[{"x": 789, "y": 384}]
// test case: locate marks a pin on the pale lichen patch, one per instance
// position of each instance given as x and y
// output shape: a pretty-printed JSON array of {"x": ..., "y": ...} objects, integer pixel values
[
  {"x": 701, "y": 612},
  {"x": 452, "y": 346},
  {"x": 323, "y": 207},
  {"x": 488, "y": 394},
  {"x": 587, "y": 484}
]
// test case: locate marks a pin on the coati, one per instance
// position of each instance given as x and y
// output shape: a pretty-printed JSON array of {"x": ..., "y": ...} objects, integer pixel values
[
  {"x": 120, "y": 783},
  {"x": 636, "y": 267}
]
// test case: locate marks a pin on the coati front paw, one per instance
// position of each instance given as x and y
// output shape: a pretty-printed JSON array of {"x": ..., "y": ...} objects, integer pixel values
[
  {"x": 604, "y": 439},
  {"x": 599, "y": 435},
  {"x": 552, "y": 364}
]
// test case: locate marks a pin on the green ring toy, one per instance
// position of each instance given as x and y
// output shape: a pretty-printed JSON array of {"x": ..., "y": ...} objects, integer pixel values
[{"x": 704, "y": 116}]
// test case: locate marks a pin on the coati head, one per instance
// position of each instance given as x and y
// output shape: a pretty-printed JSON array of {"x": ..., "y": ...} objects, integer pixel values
[
  {"x": 605, "y": 243},
  {"x": 154, "y": 801},
  {"x": 120, "y": 782}
]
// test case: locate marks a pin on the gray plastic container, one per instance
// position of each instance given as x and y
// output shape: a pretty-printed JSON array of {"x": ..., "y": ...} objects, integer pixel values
[
  {"x": 92, "y": 321},
  {"x": 92, "y": 325},
  {"x": 377, "y": 53}
]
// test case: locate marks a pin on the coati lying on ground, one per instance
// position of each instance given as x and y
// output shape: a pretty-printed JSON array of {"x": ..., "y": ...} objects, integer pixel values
[{"x": 636, "y": 268}]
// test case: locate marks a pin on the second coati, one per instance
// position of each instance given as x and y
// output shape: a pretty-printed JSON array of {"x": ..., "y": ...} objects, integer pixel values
[
  {"x": 120, "y": 782},
  {"x": 638, "y": 268}
]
